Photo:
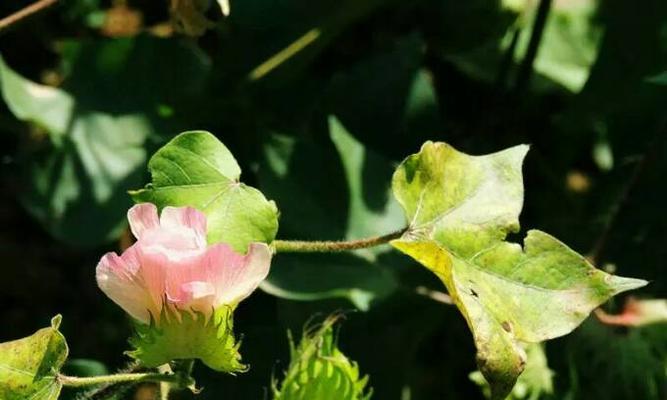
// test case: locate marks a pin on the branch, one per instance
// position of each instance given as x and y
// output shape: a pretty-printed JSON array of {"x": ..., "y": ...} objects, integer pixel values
[
  {"x": 299, "y": 246},
  {"x": 24, "y": 13}
]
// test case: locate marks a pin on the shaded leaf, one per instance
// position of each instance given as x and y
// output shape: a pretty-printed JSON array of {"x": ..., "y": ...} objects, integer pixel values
[
  {"x": 309, "y": 277},
  {"x": 352, "y": 202},
  {"x": 93, "y": 159},
  {"x": 460, "y": 209},
  {"x": 195, "y": 169},
  {"x": 29, "y": 366},
  {"x": 616, "y": 364},
  {"x": 389, "y": 102}
]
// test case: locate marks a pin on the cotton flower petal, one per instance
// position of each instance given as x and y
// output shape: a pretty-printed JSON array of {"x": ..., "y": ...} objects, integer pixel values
[
  {"x": 118, "y": 281},
  {"x": 142, "y": 217},
  {"x": 153, "y": 271},
  {"x": 236, "y": 276},
  {"x": 185, "y": 217},
  {"x": 170, "y": 266}
]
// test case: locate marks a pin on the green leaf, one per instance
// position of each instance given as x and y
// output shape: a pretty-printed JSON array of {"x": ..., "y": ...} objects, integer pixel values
[
  {"x": 389, "y": 102},
  {"x": 93, "y": 157},
  {"x": 615, "y": 364},
  {"x": 309, "y": 277},
  {"x": 460, "y": 209},
  {"x": 568, "y": 47},
  {"x": 29, "y": 366},
  {"x": 93, "y": 140},
  {"x": 570, "y": 42},
  {"x": 196, "y": 169},
  {"x": 352, "y": 202},
  {"x": 319, "y": 370}
]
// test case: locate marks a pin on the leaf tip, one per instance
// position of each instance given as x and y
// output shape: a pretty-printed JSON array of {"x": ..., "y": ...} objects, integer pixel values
[
  {"x": 55, "y": 321},
  {"x": 620, "y": 284}
]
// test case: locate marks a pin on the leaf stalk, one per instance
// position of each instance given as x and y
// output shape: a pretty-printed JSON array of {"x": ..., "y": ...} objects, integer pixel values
[{"x": 333, "y": 246}]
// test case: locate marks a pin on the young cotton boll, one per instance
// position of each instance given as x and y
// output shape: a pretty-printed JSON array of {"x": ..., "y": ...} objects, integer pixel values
[{"x": 170, "y": 277}]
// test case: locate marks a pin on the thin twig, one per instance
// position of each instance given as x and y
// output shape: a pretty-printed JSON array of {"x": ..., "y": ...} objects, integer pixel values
[{"x": 24, "y": 13}]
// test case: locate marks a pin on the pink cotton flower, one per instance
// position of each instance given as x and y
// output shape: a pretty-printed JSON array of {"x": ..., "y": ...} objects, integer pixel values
[{"x": 171, "y": 265}]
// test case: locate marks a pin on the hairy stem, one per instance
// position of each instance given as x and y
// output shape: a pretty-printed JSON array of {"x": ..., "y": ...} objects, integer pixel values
[
  {"x": 73, "y": 381},
  {"x": 301, "y": 246}
]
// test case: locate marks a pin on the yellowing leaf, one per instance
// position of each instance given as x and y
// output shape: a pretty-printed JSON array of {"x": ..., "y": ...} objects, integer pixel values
[
  {"x": 460, "y": 208},
  {"x": 29, "y": 366}
]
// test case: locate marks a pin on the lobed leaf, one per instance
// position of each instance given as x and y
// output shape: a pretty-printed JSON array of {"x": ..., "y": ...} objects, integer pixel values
[
  {"x": 29, "y": 367},
  {"x": 460, "y": 209},
  {"x": 196, "y": 169}
]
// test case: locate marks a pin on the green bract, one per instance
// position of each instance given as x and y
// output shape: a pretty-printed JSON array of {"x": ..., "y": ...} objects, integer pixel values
[
  {"x": 189, "y": 335},
  {"x": 29, "y": 367},
  {"x": 195, "y": 169},
  {"x": 319, "y": 370},
  {"x": 460, "y": 209}
]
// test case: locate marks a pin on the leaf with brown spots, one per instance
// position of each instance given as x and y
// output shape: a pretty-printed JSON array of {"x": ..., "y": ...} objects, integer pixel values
[{"x": 460, "y": 209}]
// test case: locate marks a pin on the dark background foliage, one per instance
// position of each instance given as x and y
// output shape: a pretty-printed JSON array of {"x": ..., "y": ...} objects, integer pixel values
[{"x": 361, "y": 85}]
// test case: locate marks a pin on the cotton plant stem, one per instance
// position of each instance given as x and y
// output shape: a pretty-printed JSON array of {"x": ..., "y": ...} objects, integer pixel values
[
  {"x": 302, "y": 246},
  {"x": 78, "y": 382},
  {"x": 34, "y": 8}
]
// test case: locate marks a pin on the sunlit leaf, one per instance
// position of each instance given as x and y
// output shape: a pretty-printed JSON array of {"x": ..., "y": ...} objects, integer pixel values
[
  {"x": 29, "y": 366},
  {"x": 460, "y": 208},
  {"x": 569, "y": 44},
  {"x": 195, "y": 169}
]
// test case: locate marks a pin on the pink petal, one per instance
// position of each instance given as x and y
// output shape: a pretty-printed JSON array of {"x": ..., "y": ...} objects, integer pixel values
[
  {"x": 198, "y": 289},
  {"x": 142, "y": 217},
  {"x": 118, "y": 281},
  {"x": 235, "y": 276},
  {"x": 153, "y": 271},
  {"x": 185, "y": 217}
]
